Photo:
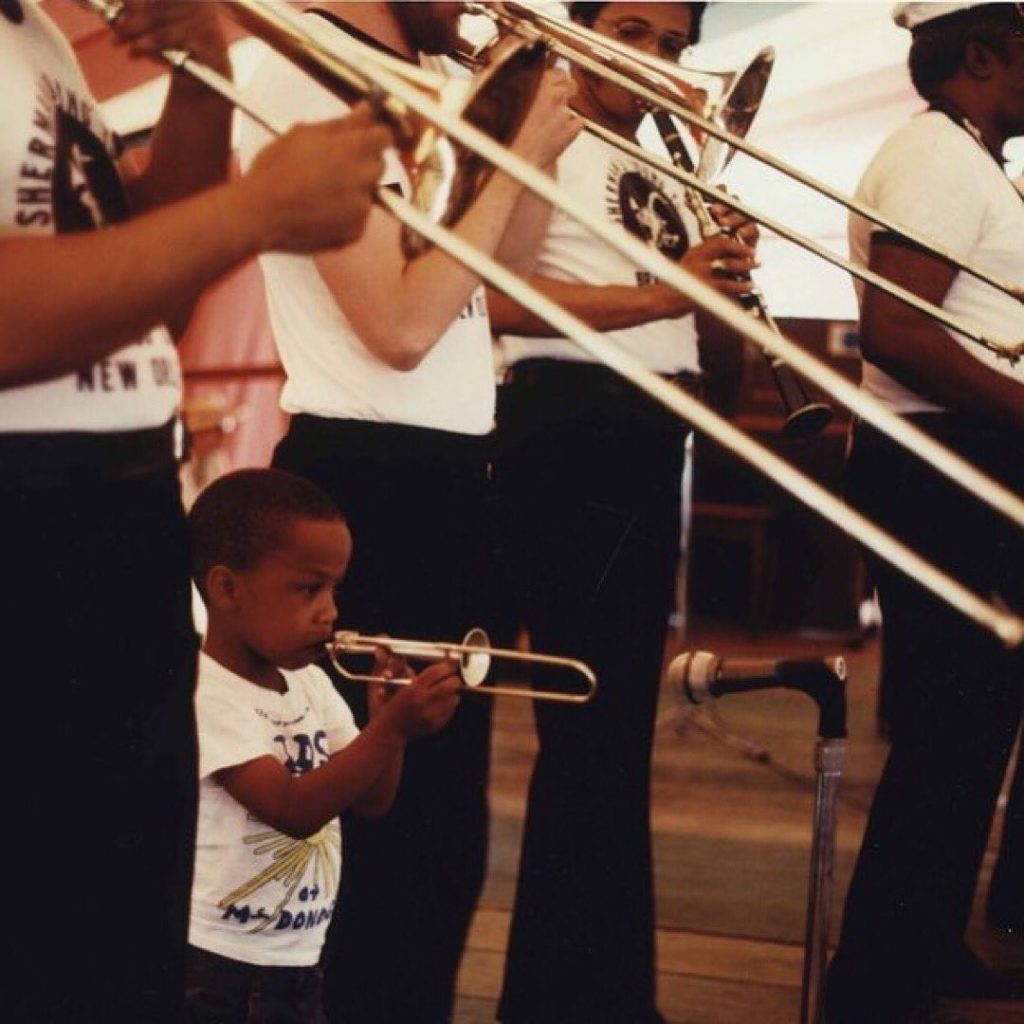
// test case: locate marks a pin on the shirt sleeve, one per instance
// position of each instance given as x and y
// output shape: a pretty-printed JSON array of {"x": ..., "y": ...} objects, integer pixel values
[
  {"x": 226, "y": 736},
  {"x": 927, "y": 181},
  {"x": 335, "y": 713}
]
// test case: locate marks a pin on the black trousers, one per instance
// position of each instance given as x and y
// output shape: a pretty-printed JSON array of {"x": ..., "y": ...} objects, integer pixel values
[
  {"x": 589, "y": 473},
  {"x": 224, "y": 991},
  {"x": 100, "y": 743},
  {"x": 415, "y": 502},
  {"x": 956, "y": 708},
  {"x": 1006, "y": 891}
]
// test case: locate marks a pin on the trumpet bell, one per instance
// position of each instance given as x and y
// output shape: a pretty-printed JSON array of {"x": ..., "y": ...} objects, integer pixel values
[{"x": 474, "y": 664}]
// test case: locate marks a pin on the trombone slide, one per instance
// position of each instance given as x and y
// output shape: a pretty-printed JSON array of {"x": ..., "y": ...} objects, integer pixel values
[{"x": 1006, "y": 625}]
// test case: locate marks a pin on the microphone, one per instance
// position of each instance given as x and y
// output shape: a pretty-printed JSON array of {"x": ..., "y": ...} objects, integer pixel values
[{"x": 697, "y": 676}]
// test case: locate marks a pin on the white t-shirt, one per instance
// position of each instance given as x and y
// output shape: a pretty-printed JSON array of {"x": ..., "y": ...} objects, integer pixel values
[
  {"x": 258, "y": 895},
  {"x": 615, "y": 187},
  {"x": 58, "y": 175},
  {"x": 933, "y": 177},
  {"x": 330, "y": 371}
]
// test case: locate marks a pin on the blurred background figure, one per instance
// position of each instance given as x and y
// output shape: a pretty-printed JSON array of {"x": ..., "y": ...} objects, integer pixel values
[{"x": 208, "y": 419}]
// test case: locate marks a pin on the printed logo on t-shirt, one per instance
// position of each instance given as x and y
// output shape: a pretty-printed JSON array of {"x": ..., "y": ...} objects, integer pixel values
[
  {"x": 639, "y": 200},
  {"x": 476, "y": 307},
  {"x": 68, "y": 180},
  {"x": 293, "y": 880}
]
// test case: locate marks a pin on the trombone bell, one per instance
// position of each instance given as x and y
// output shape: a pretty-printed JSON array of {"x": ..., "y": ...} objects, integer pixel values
[{"x": 474, "y": 656}]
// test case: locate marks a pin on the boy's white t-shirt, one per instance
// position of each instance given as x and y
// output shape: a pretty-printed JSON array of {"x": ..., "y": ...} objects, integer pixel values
[
  {"x": 259, "y": 896},
  {"x": 58, "y": 175},
  {"x": 933, "y": 177}
]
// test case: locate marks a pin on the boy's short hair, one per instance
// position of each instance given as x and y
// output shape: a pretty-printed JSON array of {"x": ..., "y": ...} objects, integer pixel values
[
  {"x": 587, "y": 13},
  {"x": 937, "y": 48},
  {"x": 244, "y": 516}
]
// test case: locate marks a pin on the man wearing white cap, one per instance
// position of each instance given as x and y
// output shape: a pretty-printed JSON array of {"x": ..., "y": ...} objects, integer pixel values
[{"x": 958, "y": 694}]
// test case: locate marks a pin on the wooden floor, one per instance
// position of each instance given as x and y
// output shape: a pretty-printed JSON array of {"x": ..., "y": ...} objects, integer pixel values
[{"x": 732, "y": 811}]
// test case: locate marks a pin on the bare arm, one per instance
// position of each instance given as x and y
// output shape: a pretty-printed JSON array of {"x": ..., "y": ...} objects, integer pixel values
[
  {"x": 559, "y": 125},
  {"x": 614, "y": 307},
  {"x": 364, "y": 775},
  {"x": 70, "y": 300},
  {"x": 915, "y": 350},
  {"x": 300, "y": 806},
  {"x": 401, "y": 308},
  {"x": 191, "y": 142},
  {"x": 527, "y": 228},
  {"x": 110, "y": 287}
]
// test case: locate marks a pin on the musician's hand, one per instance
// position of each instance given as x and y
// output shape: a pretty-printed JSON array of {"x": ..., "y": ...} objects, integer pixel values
[
  {"x": 719, "y": 260},
  {"x": 391, "y": 666},
  {"x": 147, "y": 27},
  {"x": 312, "y": 189},
  {"x": 427, "y": 703},
  {"x": 736, "y": 224},
  {"x": 550, "y": 123}
]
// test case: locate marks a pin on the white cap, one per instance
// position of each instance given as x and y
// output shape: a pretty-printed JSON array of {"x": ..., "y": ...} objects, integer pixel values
[{"x": 912, "y": 15}]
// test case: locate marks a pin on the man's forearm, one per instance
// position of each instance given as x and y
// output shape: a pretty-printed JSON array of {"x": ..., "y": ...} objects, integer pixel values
[
  {"x": 602, "y": 307},
  {"x": 923, "y": 357},
  {"x": 527, "y": 228},
  {"x": 72, "y": 299},
  {"x": 190, "y": 149}
]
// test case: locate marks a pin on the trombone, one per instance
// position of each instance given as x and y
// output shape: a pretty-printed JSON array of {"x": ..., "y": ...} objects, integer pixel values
[
  {"x": 474, "y": 657},
  {"x": 656, "y": 81},
  {"x": 804, "y": 417},
  {"x": 1003, "y": 623}
]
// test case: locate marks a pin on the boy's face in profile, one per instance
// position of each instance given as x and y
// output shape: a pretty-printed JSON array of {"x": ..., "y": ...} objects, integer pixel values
[{"x": 285, "y": 608}]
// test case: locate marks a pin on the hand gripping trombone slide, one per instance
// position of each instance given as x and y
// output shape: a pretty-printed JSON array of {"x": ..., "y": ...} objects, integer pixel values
[{"x": 362, "y": 63}]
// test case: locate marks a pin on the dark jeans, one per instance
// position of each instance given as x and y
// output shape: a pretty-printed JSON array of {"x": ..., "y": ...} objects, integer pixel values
[
  {"x": 589, "y": 472},
  {"x": 956, "y": 708},
  {"x": 415, "y": 501},
  {"x": 1006, "y": 891},
  {"x": 224, "y": 991},
  {"x": 100, "y": 745}
]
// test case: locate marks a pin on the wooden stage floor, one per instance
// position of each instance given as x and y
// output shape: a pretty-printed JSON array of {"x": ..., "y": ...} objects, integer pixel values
[{"x": 731, "y": 833}]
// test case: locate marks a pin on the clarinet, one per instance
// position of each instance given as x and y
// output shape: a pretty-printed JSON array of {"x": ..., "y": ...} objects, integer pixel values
[{"x": 804, "y": 418}]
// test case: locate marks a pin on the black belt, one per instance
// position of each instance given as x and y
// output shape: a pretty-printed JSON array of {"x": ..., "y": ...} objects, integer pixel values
[
  {"x": 376, "y": 440},
  {"x": 63, "y": 459},
  {"x": 572, "y": 372}
]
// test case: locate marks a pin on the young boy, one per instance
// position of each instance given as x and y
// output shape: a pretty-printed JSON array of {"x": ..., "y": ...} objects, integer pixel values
[{"x": 279, "y": 754}]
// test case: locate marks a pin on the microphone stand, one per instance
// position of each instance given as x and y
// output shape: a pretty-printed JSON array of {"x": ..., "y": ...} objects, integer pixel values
[{"x": 825, "y": 683}]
